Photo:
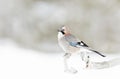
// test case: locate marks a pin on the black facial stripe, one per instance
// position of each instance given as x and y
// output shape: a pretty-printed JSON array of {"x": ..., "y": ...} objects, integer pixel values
[{"x": 62, "y": 32}]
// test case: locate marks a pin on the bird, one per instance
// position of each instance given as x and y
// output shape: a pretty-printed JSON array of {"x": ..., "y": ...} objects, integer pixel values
[{"x": 70, "y": 44}]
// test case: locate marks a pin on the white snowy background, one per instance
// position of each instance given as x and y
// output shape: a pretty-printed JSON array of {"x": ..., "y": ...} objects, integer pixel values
[
  {"x": 28, "y": 38},
  {"x": 21, "y": 63}
]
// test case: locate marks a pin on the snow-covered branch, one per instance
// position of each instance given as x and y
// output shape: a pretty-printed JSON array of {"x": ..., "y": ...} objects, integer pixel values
[{"x": 105, "y": 64}]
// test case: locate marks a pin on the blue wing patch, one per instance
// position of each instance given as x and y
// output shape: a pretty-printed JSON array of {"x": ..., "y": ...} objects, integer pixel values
[
  {"x": 77, "y": 44},
  {"x": 73, "y": 44}
]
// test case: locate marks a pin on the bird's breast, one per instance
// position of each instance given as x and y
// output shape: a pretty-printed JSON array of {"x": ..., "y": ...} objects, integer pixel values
[{"x": 66, "y": 46}]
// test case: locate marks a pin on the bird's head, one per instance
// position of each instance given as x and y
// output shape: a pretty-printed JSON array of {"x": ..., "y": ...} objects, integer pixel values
[{"x": 62, "y": 31}]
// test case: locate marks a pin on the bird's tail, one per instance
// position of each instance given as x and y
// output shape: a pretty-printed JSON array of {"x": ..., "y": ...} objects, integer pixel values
[{"x": 98, "y": 53}]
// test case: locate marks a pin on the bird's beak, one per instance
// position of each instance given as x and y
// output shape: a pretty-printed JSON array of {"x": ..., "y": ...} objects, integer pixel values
[{"x": 58, "y": 30}]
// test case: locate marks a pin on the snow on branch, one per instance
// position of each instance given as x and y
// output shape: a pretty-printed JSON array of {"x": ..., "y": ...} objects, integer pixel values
[{"x": 105, "y": 64}]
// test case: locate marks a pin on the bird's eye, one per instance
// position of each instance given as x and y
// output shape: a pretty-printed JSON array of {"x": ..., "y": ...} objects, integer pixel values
[{"x": 63, "y": 30}]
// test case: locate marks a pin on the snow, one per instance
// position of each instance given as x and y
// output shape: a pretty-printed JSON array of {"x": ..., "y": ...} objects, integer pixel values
[{"x": 21, "y": 63}]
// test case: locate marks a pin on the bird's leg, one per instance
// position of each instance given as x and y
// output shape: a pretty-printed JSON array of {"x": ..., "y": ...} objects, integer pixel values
[
  {"x": 66, "y": 57},
  {"x": 67, "y": 69},
  {"x": 82, "y": 55}
]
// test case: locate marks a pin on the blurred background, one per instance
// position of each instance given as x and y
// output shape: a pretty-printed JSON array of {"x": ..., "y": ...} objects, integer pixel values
[{"x": 33, "y": 24}]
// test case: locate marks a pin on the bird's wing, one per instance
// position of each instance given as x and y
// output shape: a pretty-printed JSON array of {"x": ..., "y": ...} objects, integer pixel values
[
  {"x": 78, "y": 44},
  {"x": 73, "y": 41},
  {"x": 71, "y": 38}
]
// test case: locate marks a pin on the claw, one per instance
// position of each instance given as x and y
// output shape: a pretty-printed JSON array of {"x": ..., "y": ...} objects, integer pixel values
[{"x": 72, "y": 70}]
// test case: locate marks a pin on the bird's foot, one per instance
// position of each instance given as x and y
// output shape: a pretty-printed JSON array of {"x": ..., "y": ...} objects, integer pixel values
[{"x": 71, "y": 70}]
